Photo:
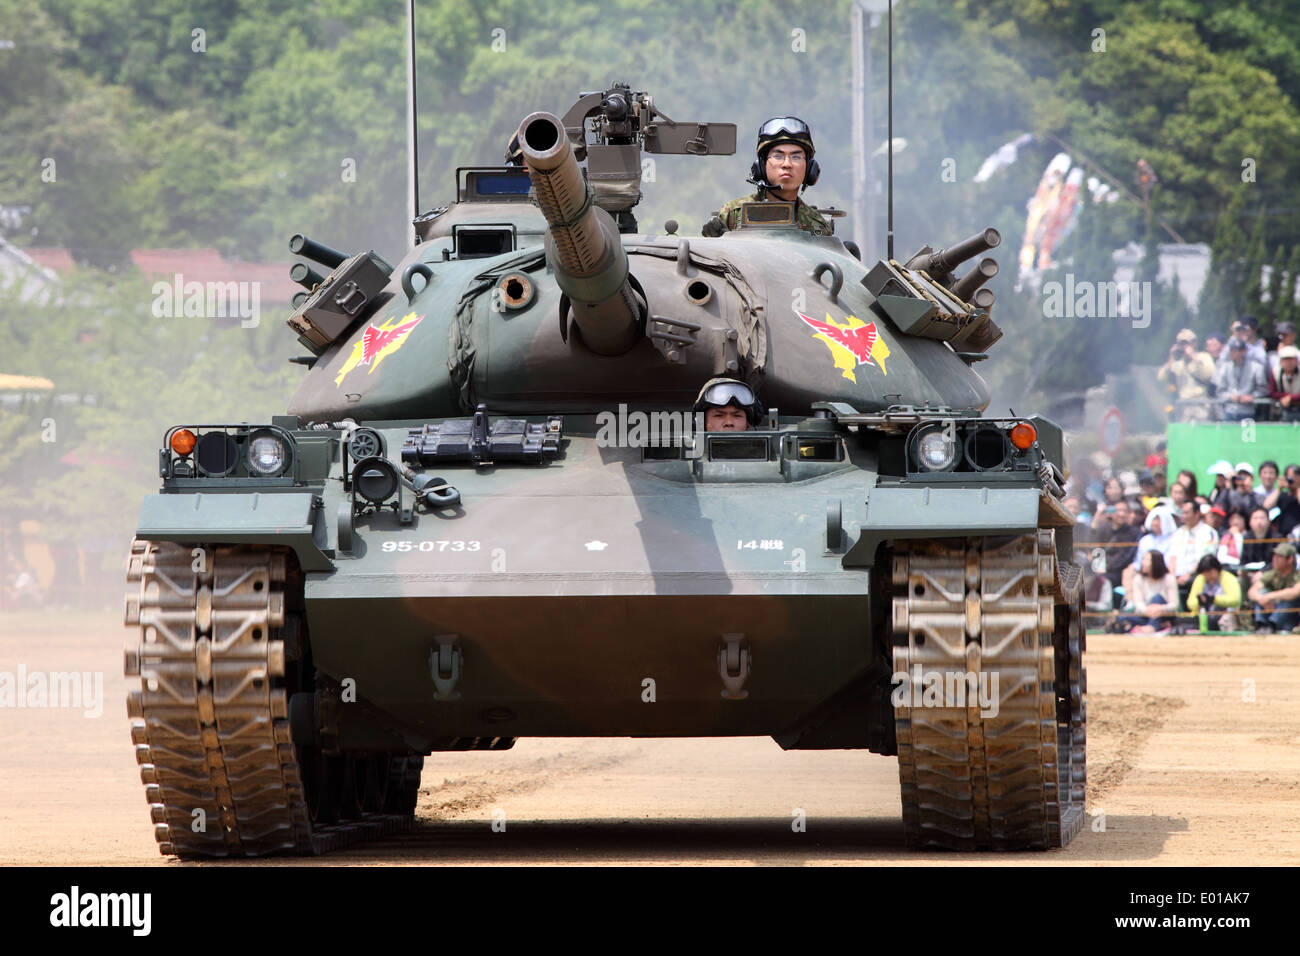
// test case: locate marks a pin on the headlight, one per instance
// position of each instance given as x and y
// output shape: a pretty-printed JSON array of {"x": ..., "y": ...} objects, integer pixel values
[
  {"x": 375, "y": 479},
  {"x": 216, "y": 454},
  {"x": 267, "y": 455},
  {"x": 987, "y": 448},
  {"x": 936, "y": 449}
]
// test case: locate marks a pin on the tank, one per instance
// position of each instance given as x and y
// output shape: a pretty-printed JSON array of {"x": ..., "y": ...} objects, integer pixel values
[{"x": 490, "y": 511}]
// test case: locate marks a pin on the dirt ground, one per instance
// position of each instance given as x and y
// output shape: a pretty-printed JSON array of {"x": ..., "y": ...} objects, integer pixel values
[{"x": 1193, "y": 758}]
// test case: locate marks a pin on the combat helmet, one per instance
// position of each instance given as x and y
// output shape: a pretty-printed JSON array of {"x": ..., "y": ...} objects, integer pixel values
[
  {"x": 720, "y": 392},
  {"x": 784, "y": 129}
]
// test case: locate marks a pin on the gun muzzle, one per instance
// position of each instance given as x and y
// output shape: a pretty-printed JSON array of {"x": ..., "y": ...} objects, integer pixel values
[
  {"x": 965, "y": 287},
  {"x": 305, "y": 275},
  {"x": 300, "y": 245},
  {"x": 583, "y": 244}
]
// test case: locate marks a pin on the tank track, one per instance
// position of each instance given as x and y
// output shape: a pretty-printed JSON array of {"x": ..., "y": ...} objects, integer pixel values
[
  {"x": 210, "y": 720},
  {"x": 1015, "y": 780}
]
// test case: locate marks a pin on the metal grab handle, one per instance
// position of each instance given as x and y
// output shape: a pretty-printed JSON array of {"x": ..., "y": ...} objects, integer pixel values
[
  {"x": 415, "y": 268},
  {"x": 837, "y": 278},
  {"x": 444, "y": 496}
]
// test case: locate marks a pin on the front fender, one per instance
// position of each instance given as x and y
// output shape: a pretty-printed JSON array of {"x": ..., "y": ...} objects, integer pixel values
[
  {"x": 937, "y": 512},
  {"x": 291, "y": 519}
]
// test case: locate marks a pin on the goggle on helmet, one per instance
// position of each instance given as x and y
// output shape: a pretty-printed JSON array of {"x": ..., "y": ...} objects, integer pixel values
[
  {"x": 784, "y": 129},
  {"x": 721, "y": 392}
]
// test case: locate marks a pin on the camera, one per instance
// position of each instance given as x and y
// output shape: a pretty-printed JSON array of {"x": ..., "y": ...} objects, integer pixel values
[{"x": 1206, "y": 601}]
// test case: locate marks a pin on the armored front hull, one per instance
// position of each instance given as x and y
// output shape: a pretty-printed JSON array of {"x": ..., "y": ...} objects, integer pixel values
[
  {"x": 595, "y": 596},
  {"x": 737, "y": 584}
]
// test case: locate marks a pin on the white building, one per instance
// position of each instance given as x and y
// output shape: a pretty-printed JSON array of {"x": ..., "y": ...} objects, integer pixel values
[
  {"x": 1189, "y": 261},
  {"x": 24, "y": 278}
]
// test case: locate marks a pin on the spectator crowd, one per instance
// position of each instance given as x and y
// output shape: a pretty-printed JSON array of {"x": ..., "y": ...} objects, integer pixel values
[
  {"x": 1234, "y": 377},
  {"x": 1214, "y": 555}
]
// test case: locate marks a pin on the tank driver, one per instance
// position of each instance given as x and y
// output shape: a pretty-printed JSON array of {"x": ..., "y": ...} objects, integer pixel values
[{"x": 729, "y": 405}]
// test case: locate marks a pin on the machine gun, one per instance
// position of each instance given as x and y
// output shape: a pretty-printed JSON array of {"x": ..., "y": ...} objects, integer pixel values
[{"x": 622, "y": 123}]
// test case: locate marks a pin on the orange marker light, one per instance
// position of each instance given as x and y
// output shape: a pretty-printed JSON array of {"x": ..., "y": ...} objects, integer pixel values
[
  {"x": 183, "y": 441},
  {"x": 1023, "y": 435}
]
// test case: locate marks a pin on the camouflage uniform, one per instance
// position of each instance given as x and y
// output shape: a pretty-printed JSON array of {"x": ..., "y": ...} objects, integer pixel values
[
  {"x": 805, "y": 217},
  {"x": 1272, "y": 580}
]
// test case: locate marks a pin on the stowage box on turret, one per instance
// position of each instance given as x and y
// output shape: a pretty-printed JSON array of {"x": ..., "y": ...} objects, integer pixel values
[{"x": 492, "y": 512}]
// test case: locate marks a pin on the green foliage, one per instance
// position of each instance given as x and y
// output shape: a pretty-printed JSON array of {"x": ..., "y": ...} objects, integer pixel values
[
  {"x": 78, "y": 459},
  {"x": 244, "y": 141},
  {"x": 289, "y": 116},
  {"x": 1255, "y": 255},
  {"x": 1221, "y": 296},
  {"x": 1172, "y": 86}
]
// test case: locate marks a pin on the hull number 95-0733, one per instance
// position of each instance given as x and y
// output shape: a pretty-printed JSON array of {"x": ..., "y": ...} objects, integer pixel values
[{"x": 439, "y": 545}]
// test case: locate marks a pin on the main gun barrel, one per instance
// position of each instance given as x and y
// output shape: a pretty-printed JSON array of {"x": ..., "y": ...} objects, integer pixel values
[{"x": 582, "y": 244}]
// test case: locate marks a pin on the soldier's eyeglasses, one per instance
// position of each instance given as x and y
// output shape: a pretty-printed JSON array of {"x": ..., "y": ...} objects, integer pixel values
[{"x": 785, "y": 159}]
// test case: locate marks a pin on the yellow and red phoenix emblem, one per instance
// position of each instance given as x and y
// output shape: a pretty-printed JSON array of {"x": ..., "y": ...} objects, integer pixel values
[
  {"x": 852, "y": 344},
  {"x": 378, "y": 342}
]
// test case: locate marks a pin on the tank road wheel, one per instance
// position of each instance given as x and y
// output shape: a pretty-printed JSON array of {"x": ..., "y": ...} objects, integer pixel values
[
  {"x": 404, "y": 782},
  {"x": 219, "y": 651},
  {"x": 322, "y": 778},
  {"x": 991, "y": 618},
  {"x": 354, "y": 787},
  {"x": 374, "y": 782}
]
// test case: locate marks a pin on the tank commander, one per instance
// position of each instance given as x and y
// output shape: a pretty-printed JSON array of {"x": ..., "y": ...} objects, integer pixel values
[
  {"x": 784, "y": 167},
  {"x": 729, "y": 405}
]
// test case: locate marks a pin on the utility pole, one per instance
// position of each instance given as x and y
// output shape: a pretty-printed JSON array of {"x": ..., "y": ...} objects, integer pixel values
[
  {"x": 412, "y": 131},
  {"x": 862, "y": 211},
  {"x": 865, "y": 18}
]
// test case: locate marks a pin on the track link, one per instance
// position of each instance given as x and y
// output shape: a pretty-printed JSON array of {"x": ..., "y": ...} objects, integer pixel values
[
  {"x": 210, "y": 719},
  {"x": 990, "y": 606}
]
